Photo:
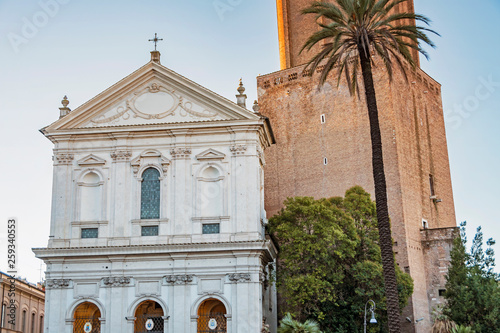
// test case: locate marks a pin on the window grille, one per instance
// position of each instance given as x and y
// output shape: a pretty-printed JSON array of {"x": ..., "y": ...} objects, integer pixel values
[
  {"x": 90, "y": 232},
  {"x": 212, "y": 228},
  {"x": 149, "y": 230}
]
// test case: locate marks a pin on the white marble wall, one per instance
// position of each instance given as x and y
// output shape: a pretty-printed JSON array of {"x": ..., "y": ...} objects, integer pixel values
[{"x": 119, "y": 165}]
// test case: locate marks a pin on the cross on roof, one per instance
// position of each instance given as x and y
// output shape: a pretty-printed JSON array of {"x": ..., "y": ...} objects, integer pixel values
[{"x": 155, "y": 40}]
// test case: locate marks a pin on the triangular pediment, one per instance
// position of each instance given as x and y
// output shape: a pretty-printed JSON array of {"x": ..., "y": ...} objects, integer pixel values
[
  {"x": 153, "y": 94},
  {"x": 210, "y": 154},
  {"x": 91, "y": 160}
]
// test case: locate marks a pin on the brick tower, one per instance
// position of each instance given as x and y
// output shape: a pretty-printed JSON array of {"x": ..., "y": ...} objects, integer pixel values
[{"x": 323, "y": 147}]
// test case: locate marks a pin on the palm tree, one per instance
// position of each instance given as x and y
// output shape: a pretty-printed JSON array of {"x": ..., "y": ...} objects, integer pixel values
[
  {"x": 351, "y": 33},
  {"x": 289, "y": 325}
]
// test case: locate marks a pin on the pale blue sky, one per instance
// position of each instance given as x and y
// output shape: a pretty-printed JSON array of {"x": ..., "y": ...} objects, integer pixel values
[{"x": 83, "y": 47}]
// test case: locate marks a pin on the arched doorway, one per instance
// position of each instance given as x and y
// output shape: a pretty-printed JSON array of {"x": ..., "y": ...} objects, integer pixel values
[
  {"x": 149, "y": 318},
  {"x": 212, "y": 317},
  {"x": 86, "y": 318}
]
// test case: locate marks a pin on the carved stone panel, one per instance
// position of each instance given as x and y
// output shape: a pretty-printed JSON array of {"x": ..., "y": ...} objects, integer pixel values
[
  {"x": 240, "y": 277},
  {"x": 178, "y": 153},
  {"x": 121, "y": 155},
  {"x": 57, "y": 283},
  {"x": 116, "y": 281},
  {"x": 179, "y": 279},
  {"x": 238, "y": 149},
  {"x": 63, "y": 159}
]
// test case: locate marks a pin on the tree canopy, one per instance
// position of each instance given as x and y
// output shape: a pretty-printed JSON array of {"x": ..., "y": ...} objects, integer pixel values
[
  {"x": 330, "y": 261},
  {"x": 472, "y": 286}
]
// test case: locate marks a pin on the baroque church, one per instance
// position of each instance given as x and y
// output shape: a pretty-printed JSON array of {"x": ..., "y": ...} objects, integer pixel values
[
  {"x": 158, "y": 219},
  {"x": 162, "y": 190}
]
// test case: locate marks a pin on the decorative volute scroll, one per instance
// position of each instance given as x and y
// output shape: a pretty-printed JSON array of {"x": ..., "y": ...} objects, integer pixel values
[
  {"x": 115, "y": 281},
  {"x": 91, "y": 160},
  {"x": 61, "y": 159},
  {"x": 178, "y": 153},
  {"x": 57, "y": 283},
  {"x": 179, "y": 279},
  {"x": 210, "y": 154},
  {"x": 239, "y": 277},
  {"x": 150, "y": 158}
]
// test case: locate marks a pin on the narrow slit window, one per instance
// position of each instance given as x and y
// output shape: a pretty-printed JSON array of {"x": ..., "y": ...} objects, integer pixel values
[
  {"x": 425, "y": 224},
  {"x": 323, "y": 119},
  {"x": 431, "y": 184},
  {"x": 4, "y": 306},
  {"x": 325, "y": 161}
]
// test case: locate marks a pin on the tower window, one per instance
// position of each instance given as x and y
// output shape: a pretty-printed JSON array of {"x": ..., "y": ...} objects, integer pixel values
[
  {"x": 150, "y": 194},
  {"x": 323, "y": 119},
  {"x": 425, "y": 224},
  {"x": 325, "y": 161},
  {"x": 90, "y": 232},
  {"x": 431, "y": 184}
]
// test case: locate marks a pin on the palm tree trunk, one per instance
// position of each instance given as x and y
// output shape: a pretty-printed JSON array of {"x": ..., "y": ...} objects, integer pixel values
[{"x": 384, "y": 227}]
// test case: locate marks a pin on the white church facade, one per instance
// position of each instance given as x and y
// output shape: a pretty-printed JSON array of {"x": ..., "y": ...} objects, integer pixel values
[{"x": 158, "y": 220}]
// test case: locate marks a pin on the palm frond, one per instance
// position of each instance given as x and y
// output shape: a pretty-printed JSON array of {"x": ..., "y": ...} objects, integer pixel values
[{"x": 373, "y": 27}]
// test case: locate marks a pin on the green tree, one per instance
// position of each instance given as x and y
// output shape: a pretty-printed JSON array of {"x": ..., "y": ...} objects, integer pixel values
[
  {"x": 461, "y": 329},
  {"x": 330, "y": 261},
  {"x": 472, "y": 286},
  {"x": 351, "y": 32},
  {"x": 289, "y": 325}
]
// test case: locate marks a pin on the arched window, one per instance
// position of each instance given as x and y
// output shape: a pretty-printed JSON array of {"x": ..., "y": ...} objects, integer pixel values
[
  {"x": 86, "y": 316},
  {"x": 91, "y": 197},
  {"x": 211, "y": 193},
  {"x": 150, "y": 194},
  {"x": 41, "y": 324}
]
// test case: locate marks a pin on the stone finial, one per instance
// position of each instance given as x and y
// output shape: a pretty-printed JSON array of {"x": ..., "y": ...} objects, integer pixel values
[
  {"x": 65, "y": 101},
  {"x": 64, "y": 110},
  {"x": 256, "y": 106},
  {"x": 241, "y": 99},
  {"x": 155, "y": 56},
  {"x": 241, "y": 88}
]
